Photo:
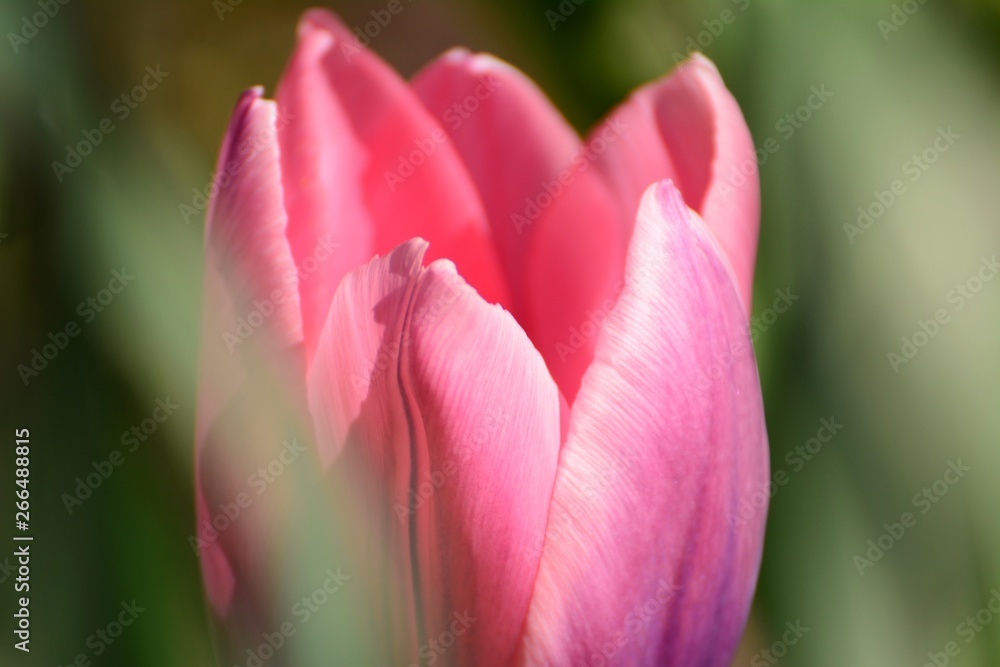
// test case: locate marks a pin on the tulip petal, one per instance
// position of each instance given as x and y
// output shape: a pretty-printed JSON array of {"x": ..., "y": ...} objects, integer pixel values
[
  {"x": 642, "y": 553},
  {"x": 488, "y": 404},
  {"x": 554, "y": 219},
  {"x": 245, "y": 232},
  {"x": 360, "y": 346},
  {"x": 357, "y": 404},
  {"x": 248, "y": 263},
  {"x": 366, "y": 164},
  {"x": 456, "y": 421},
  {"x": 689, "y": 128}
]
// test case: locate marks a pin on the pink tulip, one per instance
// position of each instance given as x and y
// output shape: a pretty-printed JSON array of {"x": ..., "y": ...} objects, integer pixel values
[{"x": 531, "y": 350}]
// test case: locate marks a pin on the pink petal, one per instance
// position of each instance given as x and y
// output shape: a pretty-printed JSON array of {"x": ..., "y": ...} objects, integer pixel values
[
  {"x": 553, "y": 218},
  {"x": 357, "y": 404},
  {"x": 689, "y": 128},
  {"x": 353, "y": 125},
  {"x": 250, "y": 294},
  {"x": 246, "y": 223},
  {"x": 666, "y": 436},
  {"x": 360, "y": 345},
  {"x": 455, "y": 421}
]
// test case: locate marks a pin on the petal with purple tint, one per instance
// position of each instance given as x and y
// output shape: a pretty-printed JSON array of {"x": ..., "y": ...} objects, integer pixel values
[{"x": 665, "y": 437}]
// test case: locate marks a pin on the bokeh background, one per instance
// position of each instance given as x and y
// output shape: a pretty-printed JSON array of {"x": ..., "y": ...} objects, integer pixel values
[{"x": 894, "y": 84}]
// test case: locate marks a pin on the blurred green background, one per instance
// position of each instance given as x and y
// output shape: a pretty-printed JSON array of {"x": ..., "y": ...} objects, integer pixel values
[{"x": 898, "y": 74}]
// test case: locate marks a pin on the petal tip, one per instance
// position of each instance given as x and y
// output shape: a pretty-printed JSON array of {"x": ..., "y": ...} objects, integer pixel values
[
  {"x": 445, "y": 268},
  {"x": 316, "y": 20},
  {"x": 482, "y": 63},
  {"x": 417, "y": 244},
  {"x": 247, "y": 99},
  {"x": 667, "y": 196},
  {"x": 477, "y": 64},
  {"x": 457, "y": 55},
  {"x": 699, "y": 59}
]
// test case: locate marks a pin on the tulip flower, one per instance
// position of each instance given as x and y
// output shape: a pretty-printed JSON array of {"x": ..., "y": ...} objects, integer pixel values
[{"x": 522, "y": 357}]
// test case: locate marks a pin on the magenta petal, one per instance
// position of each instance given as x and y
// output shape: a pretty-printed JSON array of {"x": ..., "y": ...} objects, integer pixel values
[
  {"x": 665, "y": 438},
  {"x": 367, "y": 165},
  {"x": 455, "y": 422},
  {"x": 689, "y": 128},
  {"x": 554, "y": 219}
]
